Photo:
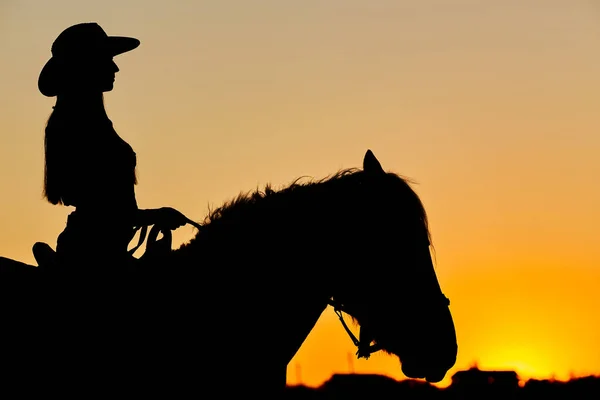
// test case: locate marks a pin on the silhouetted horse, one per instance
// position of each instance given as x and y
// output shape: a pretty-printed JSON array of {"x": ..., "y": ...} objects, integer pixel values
[{"x": 229, "y": 309}]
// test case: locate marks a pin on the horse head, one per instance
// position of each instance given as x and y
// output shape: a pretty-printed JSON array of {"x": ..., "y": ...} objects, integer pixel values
[{"x": 389, "y": 286}]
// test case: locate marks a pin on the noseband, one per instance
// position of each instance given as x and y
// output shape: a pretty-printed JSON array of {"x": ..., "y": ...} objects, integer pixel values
[{"x": 365, "y": 348}]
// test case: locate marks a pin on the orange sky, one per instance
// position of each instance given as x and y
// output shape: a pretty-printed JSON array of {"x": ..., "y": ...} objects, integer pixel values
[{"x": 490, "y": 106}]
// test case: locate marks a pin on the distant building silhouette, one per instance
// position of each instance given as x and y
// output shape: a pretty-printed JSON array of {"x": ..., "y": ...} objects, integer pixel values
[{"x": 478, "y": 384}]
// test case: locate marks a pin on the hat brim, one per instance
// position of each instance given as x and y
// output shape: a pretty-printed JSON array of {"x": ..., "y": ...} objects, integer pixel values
[
  {"x": 114, "y": 46},
  {"x": 121, "y": 44}
]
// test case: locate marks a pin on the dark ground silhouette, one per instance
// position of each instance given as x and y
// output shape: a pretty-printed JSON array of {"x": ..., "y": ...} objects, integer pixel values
[{"x": 469, "y": 384}]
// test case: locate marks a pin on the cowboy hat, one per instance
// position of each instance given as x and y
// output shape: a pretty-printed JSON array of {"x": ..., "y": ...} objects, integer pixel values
[{"x": 79, "y": 42}]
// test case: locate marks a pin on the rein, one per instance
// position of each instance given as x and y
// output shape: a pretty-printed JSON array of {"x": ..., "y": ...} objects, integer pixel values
[{"x": 144, "y": 232}]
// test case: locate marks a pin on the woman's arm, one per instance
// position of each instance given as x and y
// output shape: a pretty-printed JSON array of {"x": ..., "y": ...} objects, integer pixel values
[
  {"x": 145, "y": 217},
  {"x": 166, "y": 217}
]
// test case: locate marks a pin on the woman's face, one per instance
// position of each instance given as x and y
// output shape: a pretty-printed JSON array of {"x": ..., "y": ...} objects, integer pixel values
[
  {"x": 93, "y": 75},
  {"x": 102, "y": 74}
]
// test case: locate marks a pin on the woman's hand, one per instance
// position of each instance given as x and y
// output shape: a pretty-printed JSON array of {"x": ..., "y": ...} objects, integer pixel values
[{"x": 170, "y": 218}]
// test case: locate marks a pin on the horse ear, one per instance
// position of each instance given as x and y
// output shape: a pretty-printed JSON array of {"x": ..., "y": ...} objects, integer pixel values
[{"x": 371, "y": 164}]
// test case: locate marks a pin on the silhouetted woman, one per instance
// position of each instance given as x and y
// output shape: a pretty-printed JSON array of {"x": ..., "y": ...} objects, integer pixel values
[{"x": 87, "y": 164}]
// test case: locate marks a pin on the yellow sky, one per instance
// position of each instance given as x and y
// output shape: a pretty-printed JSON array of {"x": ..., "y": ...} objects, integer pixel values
[{"x": 489, "y": 105}]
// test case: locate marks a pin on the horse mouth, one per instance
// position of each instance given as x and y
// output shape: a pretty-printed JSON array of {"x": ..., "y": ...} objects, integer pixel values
[{"x": 435, "y": 377}]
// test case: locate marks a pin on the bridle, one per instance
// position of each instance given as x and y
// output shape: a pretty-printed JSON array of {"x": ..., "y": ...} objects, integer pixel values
[{"x": 365, "y": 348}]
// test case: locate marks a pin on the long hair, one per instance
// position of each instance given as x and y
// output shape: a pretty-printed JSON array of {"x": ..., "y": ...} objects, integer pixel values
[{"x": 55, "y": 149}]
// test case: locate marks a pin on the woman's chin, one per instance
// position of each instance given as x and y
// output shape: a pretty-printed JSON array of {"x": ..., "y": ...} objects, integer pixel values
[{"x": 109, "y": 86}]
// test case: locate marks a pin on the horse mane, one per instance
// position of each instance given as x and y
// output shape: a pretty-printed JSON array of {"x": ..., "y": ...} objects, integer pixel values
[
  {"x": 250, "y": 198},
  {"x": 298, "y": 191}
]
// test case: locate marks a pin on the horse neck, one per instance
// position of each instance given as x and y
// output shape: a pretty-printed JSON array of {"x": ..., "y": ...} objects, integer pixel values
[
  {"x": 321, "y": 239},
  {"x": 294, "y": 239}
]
